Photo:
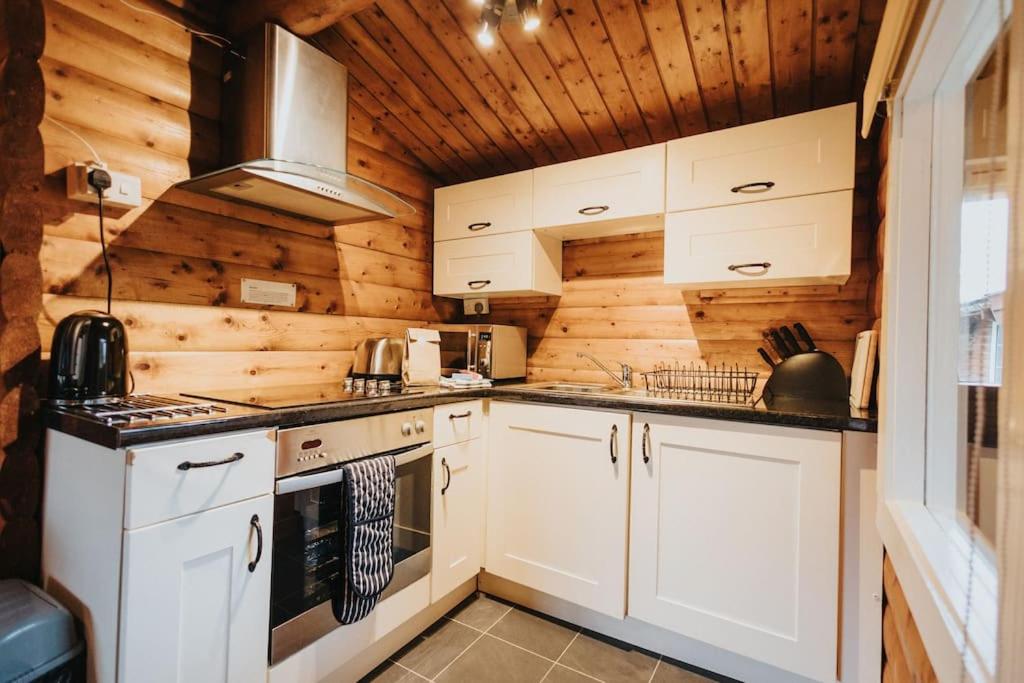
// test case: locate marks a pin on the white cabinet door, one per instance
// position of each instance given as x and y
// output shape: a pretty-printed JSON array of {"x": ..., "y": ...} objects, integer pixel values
[
  {"x": 786, "y": 157},
  {"x": 802, "y": 240},
  {"x": 191, "y": 610},
  {"x": 517, "y": 263},
  {"x": 458, "y": 516},
  {"x": 734, "y": 538},
  {"x": 484, "y": 207},
  {"x": 625, "y": 188},
  {"x": 558, "y": 488}
]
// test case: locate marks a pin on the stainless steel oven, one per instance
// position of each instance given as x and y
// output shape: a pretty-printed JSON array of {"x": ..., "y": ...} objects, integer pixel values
[{"x": 307, "y": 516}]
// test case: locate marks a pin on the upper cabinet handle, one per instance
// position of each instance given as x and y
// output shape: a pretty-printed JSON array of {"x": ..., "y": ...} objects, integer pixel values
[
  {"x": 742, "y": 268},
  {"x": 477, "y": 284},
  {"x": 478, "y": 226},
  {"x": 211, "y": 463},
  {"x": 593, "y": 210},
  {"x": 613, "y": 444},
  {"x": 754, "y": 188}
]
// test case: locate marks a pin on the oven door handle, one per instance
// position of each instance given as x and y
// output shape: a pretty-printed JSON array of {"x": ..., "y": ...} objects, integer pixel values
[{"x": 303, "y": 482}]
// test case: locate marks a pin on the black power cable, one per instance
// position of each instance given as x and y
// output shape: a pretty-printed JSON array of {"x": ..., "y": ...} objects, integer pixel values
[{"x": 101, "y": 180}]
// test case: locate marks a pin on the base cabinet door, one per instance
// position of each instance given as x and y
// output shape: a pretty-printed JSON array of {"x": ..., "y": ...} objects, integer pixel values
[
  {"x": 191, "y": 609},
  {"x": 734, "y": 538},
  {"x": 458, "y": 516},
  {"x": 557, "y": 498}
]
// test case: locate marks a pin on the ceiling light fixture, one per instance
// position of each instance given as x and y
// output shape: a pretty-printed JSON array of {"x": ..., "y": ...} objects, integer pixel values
[
  {"x": 490, "y": 18},
  {"x": 529, "y": 14},
  {"x": 527, "y": 11}
]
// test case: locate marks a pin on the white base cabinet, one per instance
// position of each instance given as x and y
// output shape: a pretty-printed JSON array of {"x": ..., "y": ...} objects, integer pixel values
[
  {"x": 734, "y": 538},
  {"x": 457, "y": 501},
  {"x": 191, "y": 609},
  {"x": 557, "y": 504}
]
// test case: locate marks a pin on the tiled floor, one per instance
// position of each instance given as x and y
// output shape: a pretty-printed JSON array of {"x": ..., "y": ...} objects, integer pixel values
[{"x": 484, "y": 639}]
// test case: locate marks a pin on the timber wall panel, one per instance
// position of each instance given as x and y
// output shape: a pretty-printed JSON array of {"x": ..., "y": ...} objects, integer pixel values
[{"x": 149, "y": 104}]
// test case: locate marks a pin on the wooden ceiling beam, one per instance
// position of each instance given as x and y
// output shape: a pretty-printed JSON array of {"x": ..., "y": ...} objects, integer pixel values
[{"x": 301, "y": 17}]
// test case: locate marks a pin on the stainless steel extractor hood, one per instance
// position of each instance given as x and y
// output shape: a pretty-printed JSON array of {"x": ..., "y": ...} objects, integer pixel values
[{"x": 285, "y": 133}]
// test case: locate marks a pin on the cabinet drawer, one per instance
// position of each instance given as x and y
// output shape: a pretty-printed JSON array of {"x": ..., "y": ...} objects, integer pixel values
[
  {"x": 457, "y": 422},
  {"x": 164, "y": 482},
  {"x": 510, "y": 264},
  {"x": 484, "y": 207},
  {"x": 802, "y": 240},
  {"x": 626, "y": 186},
  {"x": 795, "y": 155}
]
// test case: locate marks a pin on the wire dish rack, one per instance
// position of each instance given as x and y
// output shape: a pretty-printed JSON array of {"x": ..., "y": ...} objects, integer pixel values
[{"x": 708, "y": 384}]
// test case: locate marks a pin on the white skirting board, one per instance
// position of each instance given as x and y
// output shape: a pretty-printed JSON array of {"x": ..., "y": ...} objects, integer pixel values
[{"x": 350, "y": 652}]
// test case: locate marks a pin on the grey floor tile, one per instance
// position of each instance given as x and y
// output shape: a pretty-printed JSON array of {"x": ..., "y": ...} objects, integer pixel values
[
  {"x": 535, "y": 633},
  {"x": 389, "y": 672},
  {"x": 436, "y": 648},
  {"x": 562, "y": 675},
  {"x": 491, "y": 660},
  {"x": 608, "y": 660},
  {"x": 670, "y": 673},
  {"x": 479, "y": 611}
]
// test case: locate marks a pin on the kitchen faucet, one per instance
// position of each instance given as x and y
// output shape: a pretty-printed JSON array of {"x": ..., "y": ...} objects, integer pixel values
[{"x": 626, "y": 381}]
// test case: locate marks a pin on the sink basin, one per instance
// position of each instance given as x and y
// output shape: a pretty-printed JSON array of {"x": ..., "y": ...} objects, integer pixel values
[{"x": 572, "y": 388}]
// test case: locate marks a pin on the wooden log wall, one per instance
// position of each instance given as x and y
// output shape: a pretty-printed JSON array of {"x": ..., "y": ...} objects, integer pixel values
[
  {"x": 905, "y": 659},
  {"x": 145, "y": 94},
  {"x": 21, "y": 176},
  {"x": 615, "y": 305}
]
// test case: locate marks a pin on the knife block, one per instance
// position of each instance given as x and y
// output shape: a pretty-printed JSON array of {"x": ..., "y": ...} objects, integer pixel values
[{"x": 806, "y": 379}]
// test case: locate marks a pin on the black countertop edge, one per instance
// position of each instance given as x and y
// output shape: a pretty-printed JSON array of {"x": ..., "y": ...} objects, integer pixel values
[{"x": 807, "y": 417}]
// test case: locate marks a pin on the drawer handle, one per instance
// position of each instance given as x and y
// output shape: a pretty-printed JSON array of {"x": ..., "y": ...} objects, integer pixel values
[
  {"x": 613, "y": 444},
  {"x": 255, "y": 524},
  {"x": 459, "y": 416},
  {"x": 593, "y": 210},
  {"x": 740, "y": 268},
  {"x": 447, "y": 476},
  {"x": 645, "y": 443},
  {"x": 754, "y": 188},
  {"x": 477, "y": 284},
  {"x": 211, "y": 463},
  {"x": 478, "y": 226}
]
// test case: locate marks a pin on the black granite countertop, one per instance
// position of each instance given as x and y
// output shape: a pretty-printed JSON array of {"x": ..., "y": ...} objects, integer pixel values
[{"x": 808, "y": 416}]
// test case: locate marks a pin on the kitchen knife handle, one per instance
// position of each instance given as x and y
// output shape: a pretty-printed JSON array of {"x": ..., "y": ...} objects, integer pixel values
[
  {"x": 255, "y": 524},
  {"x": 802, "y": 331},
  {"x": 787, "y": 334},
  {"x": 777, "y": 343},
  {"x": 741, "y": 268},
  {"x": 753, "y": 188},
  {"x": 766, "y": 357},
  {"x": 478, "y": 226}
]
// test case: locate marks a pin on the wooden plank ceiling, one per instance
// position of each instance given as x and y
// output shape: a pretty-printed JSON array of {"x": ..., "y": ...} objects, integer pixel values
[{"x": 597, "y": 76}]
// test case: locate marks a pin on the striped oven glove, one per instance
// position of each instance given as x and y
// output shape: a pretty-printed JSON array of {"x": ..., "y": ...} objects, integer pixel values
[{"x": 367, "y": 524}]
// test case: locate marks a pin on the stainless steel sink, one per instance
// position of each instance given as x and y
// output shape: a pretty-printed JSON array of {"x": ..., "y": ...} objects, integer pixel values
[{"x": 571, "y": 388}]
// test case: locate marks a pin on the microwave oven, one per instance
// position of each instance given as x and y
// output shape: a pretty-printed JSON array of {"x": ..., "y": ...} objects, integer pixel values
[{"x": 495, "y": 351}]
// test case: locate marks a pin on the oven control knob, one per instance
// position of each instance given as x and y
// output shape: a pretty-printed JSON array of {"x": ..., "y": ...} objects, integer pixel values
[
  {"x": 421, "y": 426},
  {"x": 406, "y": 429}
]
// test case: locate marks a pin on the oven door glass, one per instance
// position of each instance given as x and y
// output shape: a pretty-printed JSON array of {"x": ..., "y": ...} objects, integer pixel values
[{"x": 307, "y": 542}]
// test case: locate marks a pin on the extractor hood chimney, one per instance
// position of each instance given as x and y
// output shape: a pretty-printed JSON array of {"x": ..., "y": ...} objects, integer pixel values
[{"x": 285, "y": 132}]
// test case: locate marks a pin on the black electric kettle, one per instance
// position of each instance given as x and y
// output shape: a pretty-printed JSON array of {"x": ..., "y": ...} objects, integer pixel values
[{"x": 88, "y": 359}]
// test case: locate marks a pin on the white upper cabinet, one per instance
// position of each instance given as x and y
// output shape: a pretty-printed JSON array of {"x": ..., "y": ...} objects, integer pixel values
[
  {"x": 557, "y": 502},
  {"x": 785, "y": 157},
  {"x": 484, "y": 207},
  {"x": 734, "y": 538},
  {"x": 513, "y": 264},
  {"x": 800, "y": 240},
  {"x": 623, "y": 191}
]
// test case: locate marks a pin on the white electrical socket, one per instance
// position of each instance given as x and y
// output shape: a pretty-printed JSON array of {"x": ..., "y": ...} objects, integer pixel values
[
  {"x": 125, "y": 191},
  {"x": 476, "y": 306}
]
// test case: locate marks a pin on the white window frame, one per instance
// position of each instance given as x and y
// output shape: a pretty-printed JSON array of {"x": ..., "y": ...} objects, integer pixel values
[{"x": 929, "y": 545}]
